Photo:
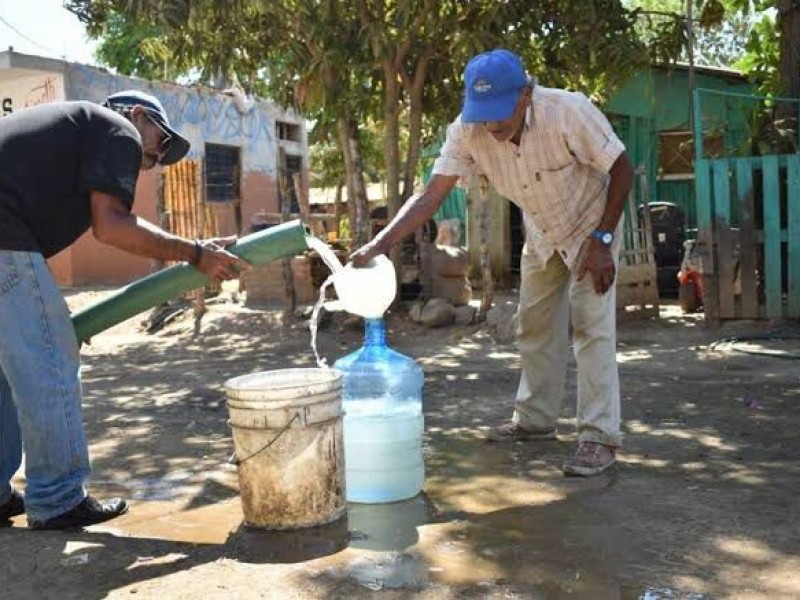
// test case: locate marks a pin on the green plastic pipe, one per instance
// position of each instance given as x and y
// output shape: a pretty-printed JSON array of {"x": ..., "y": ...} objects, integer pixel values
[{"x": 286, "y": 239}]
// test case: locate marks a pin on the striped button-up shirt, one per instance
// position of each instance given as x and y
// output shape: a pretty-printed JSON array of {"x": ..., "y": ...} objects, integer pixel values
[{"x": 558, "y": 175}]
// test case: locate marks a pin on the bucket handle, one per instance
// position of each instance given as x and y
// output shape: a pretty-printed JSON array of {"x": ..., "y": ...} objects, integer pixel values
[{"x": 237, "y": 461}]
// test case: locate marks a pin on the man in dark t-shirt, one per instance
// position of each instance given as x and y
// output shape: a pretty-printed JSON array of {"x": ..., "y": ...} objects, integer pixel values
[{"x": 64, "y": 168}]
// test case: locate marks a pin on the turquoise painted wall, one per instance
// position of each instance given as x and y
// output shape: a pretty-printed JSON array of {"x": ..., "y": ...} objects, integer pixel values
[{"x": 658, "y": 100}]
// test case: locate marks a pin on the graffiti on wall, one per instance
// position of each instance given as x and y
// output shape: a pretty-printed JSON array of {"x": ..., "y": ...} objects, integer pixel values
[
  {"x": 202, "y": 115},
  {"x": 23, "y": 92}
]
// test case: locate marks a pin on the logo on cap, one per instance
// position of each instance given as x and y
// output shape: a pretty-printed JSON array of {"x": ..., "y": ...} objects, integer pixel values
[{"x": 482, "y": 86}]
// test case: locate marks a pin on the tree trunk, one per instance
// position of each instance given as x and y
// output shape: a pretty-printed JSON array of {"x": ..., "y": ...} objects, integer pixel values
[
  {"x": 391, "y": 122},
  {"x": 789, "y": 23},
  {"x": 483, "y": 234},
  {"x": 362, "y": 201},
  {"x": 289, "y": 297},
  {"x": 357, "y": 202},
  {"x": 789, "y": 68},
  {"x": 414, "y": 127},
  {"x": 337, "y": 208}
]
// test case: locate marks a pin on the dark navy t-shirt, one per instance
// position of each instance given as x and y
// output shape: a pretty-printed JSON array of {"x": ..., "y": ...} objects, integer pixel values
[{"x": 51, "y": 157}]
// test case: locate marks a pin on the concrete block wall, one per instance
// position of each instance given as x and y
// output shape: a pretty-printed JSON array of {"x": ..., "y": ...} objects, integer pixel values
[{"x": 265, "y": 282}]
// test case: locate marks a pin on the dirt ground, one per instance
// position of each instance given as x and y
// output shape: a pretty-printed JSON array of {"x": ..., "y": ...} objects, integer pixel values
[{"x": 699, "y": 506}]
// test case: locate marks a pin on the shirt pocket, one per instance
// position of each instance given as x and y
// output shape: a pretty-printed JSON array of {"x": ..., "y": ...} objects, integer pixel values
[
  {"x": 8, "y": 272},
  {"x": 555, "y": 182}
]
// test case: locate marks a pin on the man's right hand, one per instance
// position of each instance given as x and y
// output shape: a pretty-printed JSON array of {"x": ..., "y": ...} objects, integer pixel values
[
  {"x": 413, "y": 214},
  {"x": 366, "y": 253}
]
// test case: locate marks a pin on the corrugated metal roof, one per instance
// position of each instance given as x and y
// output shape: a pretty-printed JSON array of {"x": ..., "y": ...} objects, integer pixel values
[{"x": 376, "y": 192}]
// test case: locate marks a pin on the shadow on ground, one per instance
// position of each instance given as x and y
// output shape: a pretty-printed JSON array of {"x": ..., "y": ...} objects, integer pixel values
[{"x": 698, "y": 507}]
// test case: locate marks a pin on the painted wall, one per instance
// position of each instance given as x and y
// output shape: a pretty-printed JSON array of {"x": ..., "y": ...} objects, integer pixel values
[
  {"x": 202, "y": 115},
  {"x": 22, "y": 90},
  {"x": 662, "y": 94},
  {"x": 658, "y": 100}
]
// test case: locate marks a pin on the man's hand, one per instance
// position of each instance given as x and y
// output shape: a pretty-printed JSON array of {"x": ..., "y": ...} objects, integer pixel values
[
  {"x": 367, "y": 252},
  {"x": 217, "y": 263},
  {"x": 113, "y": 223},
  {"x": 413, "y": 214},
  {"x": 599, "y": 262}
]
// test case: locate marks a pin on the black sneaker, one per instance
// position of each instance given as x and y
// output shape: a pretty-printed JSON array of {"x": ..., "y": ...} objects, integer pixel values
[
  {"x": 14, "y": 506},
  {"x": 90, "y": 511}
]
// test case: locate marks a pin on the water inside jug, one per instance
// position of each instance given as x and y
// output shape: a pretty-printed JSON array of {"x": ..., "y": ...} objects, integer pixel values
[{"x": 383, "y": 423}]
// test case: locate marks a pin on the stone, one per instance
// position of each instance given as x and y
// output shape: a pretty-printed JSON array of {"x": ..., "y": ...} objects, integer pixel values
[
  {"x": 437, "y": 312},
  {"x": 501, "y": 321},
  {"x": 303, "y": 312},
  {"x": 353, "y": 322},
  {"x": 464, "y": 315},
  {"x": 415, "y": 312},
  {"x": 455, "y": 290}
]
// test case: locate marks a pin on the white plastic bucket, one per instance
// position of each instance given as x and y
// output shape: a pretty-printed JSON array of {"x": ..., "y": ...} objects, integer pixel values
[{"x": 287, "y": 434}]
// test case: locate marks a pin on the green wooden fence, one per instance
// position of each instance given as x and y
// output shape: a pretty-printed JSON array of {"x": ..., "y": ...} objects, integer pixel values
[{"x": 748, "y": 220}]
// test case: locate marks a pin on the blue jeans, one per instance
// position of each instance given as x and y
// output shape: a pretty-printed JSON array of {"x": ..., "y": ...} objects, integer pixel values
[{"x": 40, "y": 393}]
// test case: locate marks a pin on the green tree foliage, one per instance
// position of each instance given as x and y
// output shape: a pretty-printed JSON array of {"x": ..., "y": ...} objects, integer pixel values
[
  {"x": 135, "y": 49},
  {"x": 204, "y": 40},
  {"x": 762, "y": 54},
  {"x": 396, "y": 63},
  {"x": 326, "y": 158},
  {"x": 720, "y": 31}
]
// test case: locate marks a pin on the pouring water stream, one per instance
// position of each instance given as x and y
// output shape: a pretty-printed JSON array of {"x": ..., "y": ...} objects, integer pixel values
[
  {"x": 332, "y": 262},
  {"x": 366, "y": 292}
]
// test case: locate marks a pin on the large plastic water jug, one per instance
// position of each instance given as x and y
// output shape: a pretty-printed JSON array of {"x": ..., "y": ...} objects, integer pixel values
[{"x": 383, "y": 422}]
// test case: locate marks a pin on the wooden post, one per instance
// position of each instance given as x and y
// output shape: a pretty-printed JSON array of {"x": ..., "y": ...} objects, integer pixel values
[
  {"x": 161, "y": 208},
  {"x": 337, "y": 209},
  {"x": 302, "y": 198},
  {"x": 284, "y": 198},
  {"x": 200, "y": 209},
  {"x": 648, "y": 247},
  {"x": 486, "y": 266},
  {"x": 748, "y": 268}
]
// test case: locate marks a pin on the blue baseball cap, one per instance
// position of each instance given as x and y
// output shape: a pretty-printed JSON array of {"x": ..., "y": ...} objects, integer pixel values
[
  {"x": 178, "y": 145},
  {"x": 492, "y": 82}
]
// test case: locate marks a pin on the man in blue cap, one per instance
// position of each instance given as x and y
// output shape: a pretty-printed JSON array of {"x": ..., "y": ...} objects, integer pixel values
[
  {"x": 68, "y": 167},
  {"x": 555, "y": 155}
]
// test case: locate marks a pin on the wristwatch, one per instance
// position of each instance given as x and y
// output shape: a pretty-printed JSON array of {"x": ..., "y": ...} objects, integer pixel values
[{"x": 604, "y": 237}]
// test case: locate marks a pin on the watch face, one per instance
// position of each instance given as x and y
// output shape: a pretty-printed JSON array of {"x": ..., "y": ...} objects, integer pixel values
[{"x": 607, "y": 238}]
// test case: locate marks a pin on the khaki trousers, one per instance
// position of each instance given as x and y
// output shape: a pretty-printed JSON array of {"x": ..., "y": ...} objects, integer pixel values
[{"x": 547, "y": 296}]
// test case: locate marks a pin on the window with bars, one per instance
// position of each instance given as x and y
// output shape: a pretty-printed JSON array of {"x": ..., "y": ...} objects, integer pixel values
[
  {"x": 289, "y": 132},
  {"x": 676, "y": 152},
  {"x": 294, "y": 164},
  {"x": 223, "y": 168}
]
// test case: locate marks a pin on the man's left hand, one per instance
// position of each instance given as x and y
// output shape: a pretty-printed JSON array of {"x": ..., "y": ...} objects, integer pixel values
[
  {"x": 599, "y": 262},
  {"x": 218, "y": 263}
]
